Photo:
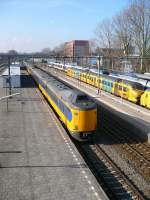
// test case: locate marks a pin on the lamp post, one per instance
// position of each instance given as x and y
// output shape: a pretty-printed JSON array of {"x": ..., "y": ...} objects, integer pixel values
[
  {"x": 100, "y": 63},
  {"x": 9, "y": 75},
  {"x": 64, "y": 62}
]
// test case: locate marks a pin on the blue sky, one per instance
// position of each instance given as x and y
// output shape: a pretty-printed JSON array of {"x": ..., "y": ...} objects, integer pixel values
[{"x": 31, "y": 25}]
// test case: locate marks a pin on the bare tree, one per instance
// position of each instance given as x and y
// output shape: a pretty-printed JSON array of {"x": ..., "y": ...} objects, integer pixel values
[
  {"x": 104, "y": 34},
  {"x": 59, "y": 50},
  {"x": 123, "y": 31},
  {"x": 46, "y": 51},
  {"x": 92, "y": 46},
  {"x": 139, "y": 18},
  {"x": 12, "y": 52}
]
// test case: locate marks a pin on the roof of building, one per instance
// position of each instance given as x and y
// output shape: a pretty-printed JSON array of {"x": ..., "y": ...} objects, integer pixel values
[{"x": 78, "y": 42}]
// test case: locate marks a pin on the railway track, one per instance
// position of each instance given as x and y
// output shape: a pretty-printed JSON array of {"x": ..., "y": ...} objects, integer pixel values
[
  {"x": 131, "y": 148},
  {"x": 112, "y": 179}
]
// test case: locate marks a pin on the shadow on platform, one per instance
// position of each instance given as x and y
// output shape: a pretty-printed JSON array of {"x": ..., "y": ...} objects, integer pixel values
[
  {"x": 115, "y": 127},
  {"x": 27, "y": 81}
]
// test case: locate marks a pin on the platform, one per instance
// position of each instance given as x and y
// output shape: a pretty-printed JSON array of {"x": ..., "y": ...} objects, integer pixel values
[{"x": 37, "y": 159}]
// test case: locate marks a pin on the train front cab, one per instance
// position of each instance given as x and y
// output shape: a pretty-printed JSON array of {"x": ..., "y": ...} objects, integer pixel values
[
  {"x": 83, "y": 123},
  {"x": 135, "y": 90},
  {"x": 145, "y": 99},
  {"x": 80, "y": 123},
  {"x": 128, "y": 90}
]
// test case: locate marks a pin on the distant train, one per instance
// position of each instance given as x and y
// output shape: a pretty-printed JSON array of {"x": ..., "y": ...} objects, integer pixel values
[
  {"x": 76, "y": 110},
  {"x": 120, "y": 87},
  {"x": 131, "y": 90}
]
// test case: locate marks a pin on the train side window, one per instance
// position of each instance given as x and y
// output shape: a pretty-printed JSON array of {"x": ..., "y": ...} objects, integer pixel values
[
  {"x": 120, "y": 88},
  {"x": 124, "y": 89}
]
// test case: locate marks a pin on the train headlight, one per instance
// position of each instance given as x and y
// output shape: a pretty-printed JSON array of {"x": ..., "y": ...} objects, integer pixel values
[
  {"x": 135, "y": 93},
  {"x": 75, "y": 127}
]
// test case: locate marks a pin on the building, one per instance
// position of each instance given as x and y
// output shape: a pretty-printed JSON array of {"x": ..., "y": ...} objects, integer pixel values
[{"x": 77, "y": 48}]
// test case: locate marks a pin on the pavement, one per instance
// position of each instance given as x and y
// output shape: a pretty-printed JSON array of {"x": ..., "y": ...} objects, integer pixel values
[{"x": 37, "y": 159}]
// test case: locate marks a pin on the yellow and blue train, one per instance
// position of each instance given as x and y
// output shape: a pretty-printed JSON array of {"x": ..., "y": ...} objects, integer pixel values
[
  {"x": 76, "y": 110},
  {"x": 124, "y": 88},
  {"x": 130, "y": 90}
]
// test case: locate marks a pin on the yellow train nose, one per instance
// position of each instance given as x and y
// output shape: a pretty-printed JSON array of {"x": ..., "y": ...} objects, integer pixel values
[{"x": 86, "y": 120}]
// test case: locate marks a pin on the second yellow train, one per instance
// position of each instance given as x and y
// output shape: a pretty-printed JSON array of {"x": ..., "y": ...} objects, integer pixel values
[{"x": 127, "y": 89}]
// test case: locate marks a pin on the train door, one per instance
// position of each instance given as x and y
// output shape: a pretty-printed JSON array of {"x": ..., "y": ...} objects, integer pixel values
[
  {"x": 106, "y": 85},
  {"x": 95, "y": 81},
  {"x": 109, "y": 87},
  {"x": 103, "y": 84},
  {"x": 116, "y": 89},
  {"x": 147, "y": 99},
  {"x": 124, "y": 91}
]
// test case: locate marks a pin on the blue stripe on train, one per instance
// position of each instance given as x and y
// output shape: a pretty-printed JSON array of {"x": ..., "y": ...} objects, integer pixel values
[{"x": 64, "y": 109}]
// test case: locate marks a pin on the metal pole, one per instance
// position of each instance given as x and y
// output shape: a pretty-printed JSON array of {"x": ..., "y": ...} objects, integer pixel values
[
  {"x": 7, "y": 97},
  {"x": 112, "y": 65},
  {"x": 64, "y": 62},
  {"x": 98, "y": 91},
  {"x": 122, "y": 85},
  {"x": 9, "y": 76}
]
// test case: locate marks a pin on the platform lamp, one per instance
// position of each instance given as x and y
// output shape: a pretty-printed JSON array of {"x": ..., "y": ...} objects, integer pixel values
[
  {"x": 9, "y": 75},
  {"x": 64, "y": 61},
  {"x": 100, "y": 63}
]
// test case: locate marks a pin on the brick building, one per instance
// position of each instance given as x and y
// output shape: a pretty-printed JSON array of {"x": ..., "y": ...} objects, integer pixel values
[{"x": 77, "y": 48}]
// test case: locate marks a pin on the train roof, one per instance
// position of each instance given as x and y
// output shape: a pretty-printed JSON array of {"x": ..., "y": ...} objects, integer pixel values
[
  {"x": 132, "y": 84},
  {"x": 109, "y": 77},
  {"x": 65, "y": 92},
  {"x": 143, "y": 76}
]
